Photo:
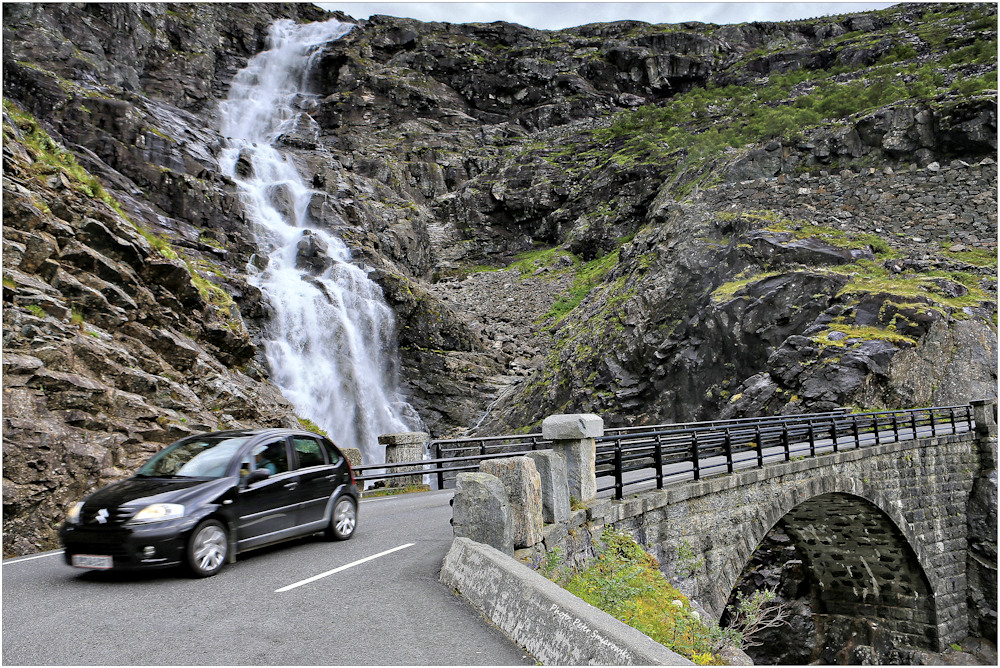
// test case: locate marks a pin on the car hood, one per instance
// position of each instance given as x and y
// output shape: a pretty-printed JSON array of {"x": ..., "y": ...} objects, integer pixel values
[{"x": 143, "y": 491}]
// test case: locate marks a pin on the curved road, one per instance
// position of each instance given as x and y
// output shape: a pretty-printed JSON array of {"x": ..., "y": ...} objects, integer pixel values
[{"x": 378, "y": 602}]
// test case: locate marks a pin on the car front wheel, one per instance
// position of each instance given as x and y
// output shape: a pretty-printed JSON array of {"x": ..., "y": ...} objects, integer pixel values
[
  {"x": 344, "y": 520},
  {"x": 207, "y": 549}
]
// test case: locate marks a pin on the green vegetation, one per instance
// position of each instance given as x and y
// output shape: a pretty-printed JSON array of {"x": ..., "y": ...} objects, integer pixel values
[
  {"x": 625, "y": 581},
  {"x": 309, "y": 425},
  {"x": 695, "y": 127},
  {"x": 50, "y": 158},
  {"x": 394, "y": 491},
  {"x": 858, "y": 333},
  {"x": 587, "y": 276}
]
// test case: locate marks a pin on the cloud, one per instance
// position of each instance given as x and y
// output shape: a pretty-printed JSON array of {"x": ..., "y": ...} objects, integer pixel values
[{"x": 558, "y": 15}]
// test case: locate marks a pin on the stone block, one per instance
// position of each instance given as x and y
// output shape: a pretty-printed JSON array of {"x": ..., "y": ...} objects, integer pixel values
[
  {"x": 353, "y": 456},
  {"x": 551, "y": 467},
  {"x": 599, "y": 509},
  {"x": 481, "y": 511},
  {"x": 524, "y": 493},
  {"x": 572, "y": 427},
  {"x": 404, "y": 447},
  {"x": 554, "y": 535}
]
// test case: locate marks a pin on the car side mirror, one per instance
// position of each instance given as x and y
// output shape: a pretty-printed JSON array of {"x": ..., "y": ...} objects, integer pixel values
[{"x": 257, "y": 476}]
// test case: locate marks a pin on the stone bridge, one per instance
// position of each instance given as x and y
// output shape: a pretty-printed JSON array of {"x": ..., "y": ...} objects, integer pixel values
[{"x": 890, "y": 534}]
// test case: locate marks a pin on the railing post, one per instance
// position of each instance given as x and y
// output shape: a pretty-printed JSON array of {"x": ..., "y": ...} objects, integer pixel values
[
  {"x": 857, "y": 432},
  {"x": 895, "y": 425},
  {"x": 619, "y": 474},
  {"x": 439, "y": 466},
  {"x": 812, "y": 440},
  {"x": 785, "y": 443},
  {"x": 573, "y": 437},
  {"x": 729, "y": 452},
  {"x": 658, "y": 461},
  {"x": 913, "y": 424},
  {"x": 930, "y": 413},
  {"x": 694, "y": 456},
  {"x": 954, "y": 427},
  {"x": 760, "y": 446},
  {"x": 875, "y": 423},
  {"x": 833, "y": 434}
]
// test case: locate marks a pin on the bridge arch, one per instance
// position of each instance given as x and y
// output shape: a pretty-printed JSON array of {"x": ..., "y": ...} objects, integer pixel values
[{"x": 862, "y": 556}]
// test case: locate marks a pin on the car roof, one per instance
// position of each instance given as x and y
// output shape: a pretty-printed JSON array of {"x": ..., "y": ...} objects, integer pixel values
[{"x": 276, "y": 431}]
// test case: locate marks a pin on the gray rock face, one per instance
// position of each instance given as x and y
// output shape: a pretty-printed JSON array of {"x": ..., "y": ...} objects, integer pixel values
[
  {"x": 524, "y": 494},
  {"x": 481, "y": 511}
]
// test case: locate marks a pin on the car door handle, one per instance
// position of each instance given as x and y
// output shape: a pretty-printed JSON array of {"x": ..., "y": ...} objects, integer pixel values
[
  {"x": 332, "y": 476},
  {"x": 291, "y": 485}
]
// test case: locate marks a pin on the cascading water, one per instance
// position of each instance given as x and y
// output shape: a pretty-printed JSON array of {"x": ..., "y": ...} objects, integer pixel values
[{"x": 331, "y": 344}]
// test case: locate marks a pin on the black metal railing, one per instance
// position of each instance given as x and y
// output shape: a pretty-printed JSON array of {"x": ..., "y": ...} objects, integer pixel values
[
  {"x": 454, "y": 455},
  {"x": 694, "y": 450}
]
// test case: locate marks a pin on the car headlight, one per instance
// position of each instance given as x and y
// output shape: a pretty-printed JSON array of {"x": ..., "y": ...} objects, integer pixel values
[
  {"x": 73, "y": 514},
  {"x": 159, "y": 512}
]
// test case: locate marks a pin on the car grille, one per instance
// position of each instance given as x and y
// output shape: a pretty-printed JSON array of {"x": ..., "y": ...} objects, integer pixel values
[
  {"x": 91, "y": 516},
  {"x": 106, "y": 548}
]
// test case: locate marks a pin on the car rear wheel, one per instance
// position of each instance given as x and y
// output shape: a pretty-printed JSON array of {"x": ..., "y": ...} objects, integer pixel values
[
  {"x": 207, "y": 549},
  {"x": 344, "y": 520}
]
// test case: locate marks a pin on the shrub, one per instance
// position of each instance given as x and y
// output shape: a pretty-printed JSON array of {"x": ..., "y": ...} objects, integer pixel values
[{"x": 625, "y": 581}]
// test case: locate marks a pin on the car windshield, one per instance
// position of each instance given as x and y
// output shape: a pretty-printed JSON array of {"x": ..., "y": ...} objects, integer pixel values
[{"x": 196, "y": 457}]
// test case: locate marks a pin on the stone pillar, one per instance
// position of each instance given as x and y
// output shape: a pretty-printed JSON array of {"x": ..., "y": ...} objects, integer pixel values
[
  {"x": 981, "y": 518},
  {"x": 404, "y": 447},
  {"x": 573, "y": 437},
  {"x": 551, "y": 467},
  {"x": 985, "y": 413},
  {"x": 481, "y": 511},
  {"x": 524, "y": 496},
  {"x": 353, "y": 456}
]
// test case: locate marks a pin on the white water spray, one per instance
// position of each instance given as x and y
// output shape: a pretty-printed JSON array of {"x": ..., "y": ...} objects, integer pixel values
[{"x": 331, "y": 344}]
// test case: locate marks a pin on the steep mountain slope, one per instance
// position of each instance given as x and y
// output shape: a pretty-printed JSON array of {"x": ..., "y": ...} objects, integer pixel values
[{"x": 648, "y": 222}]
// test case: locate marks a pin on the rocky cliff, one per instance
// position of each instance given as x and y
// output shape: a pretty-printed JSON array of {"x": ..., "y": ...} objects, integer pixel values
[{"x": 650, "y": 222}]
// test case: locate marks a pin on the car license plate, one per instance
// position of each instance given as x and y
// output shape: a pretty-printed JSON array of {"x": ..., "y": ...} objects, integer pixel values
[{"x": 92, "y": 561}]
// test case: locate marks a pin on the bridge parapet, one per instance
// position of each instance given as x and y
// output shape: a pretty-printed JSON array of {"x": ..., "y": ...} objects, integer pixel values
[{"x": 887, "y": 528}]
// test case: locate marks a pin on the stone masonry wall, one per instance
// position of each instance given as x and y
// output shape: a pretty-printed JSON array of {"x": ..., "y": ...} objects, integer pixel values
[
  {"x": 708, "y": 530},
  {"x": 954, "y": 205}
]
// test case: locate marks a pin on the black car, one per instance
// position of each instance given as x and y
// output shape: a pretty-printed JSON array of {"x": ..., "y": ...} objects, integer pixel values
[{"x": 207, "y": 497}]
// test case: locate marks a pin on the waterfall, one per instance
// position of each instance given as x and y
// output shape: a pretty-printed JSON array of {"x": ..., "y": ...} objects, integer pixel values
[{"x": 331, "y": 343}]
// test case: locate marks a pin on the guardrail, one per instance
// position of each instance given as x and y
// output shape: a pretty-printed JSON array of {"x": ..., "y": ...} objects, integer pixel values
[
  {"x": 454, "y": 455},
  {"x": 692, "y": 450},
  {"x": 698, "y": 451}
]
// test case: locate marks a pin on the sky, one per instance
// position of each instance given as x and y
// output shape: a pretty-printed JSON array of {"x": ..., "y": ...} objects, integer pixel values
[{"x": 558, "y": 15}]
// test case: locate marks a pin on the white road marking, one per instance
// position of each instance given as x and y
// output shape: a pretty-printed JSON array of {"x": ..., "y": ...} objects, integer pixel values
[
  {"x": 342, "y": 568},
  {"x": 37, "y": 556}
]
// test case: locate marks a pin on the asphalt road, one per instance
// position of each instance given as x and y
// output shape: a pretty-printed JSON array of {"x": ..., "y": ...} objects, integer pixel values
[{"x": 379, "y": 602}]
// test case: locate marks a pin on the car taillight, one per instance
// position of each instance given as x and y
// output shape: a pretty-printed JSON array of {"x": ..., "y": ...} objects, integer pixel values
[{"x": 350, "y": 470}]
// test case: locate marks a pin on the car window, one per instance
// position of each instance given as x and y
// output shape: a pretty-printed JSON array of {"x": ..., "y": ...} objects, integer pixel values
[
  {"x": 332, "y": 452},
  {"x": 196, "y": 457},
  {"x": 308, "y": 451},
  {"x": 271, "y": 457}
]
